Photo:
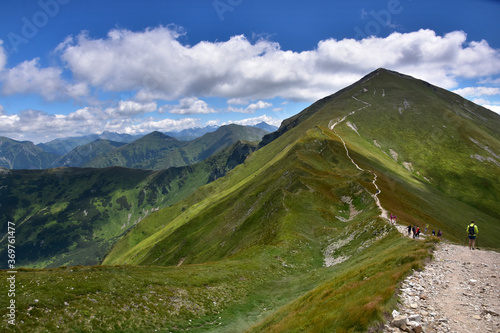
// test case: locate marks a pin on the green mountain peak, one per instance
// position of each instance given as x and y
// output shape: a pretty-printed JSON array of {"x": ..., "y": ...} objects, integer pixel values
[{"x": 295, "y": 238}]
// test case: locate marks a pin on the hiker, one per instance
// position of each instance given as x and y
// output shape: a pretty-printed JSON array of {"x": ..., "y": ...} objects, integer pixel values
[
  {"x": 414, "y": 231},
  {"x": 425, "y": 230},
  {"x": 433, "y": 232},
  {"x": 472, "y": 231},
  {"x": 409, "y": 230},
  {"x": 440, "y": 233},
  {"x": 418, "y": 232}
]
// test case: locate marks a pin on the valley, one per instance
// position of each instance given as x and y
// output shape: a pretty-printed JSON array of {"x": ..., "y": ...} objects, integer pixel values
[{"x": 72, "y": 216}]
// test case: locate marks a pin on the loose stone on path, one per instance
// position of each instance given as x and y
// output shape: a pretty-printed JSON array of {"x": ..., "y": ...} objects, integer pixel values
[{"x": 457, "y": 292}]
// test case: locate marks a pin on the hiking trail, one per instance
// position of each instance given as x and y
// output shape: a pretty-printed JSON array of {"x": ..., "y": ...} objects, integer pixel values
[
  {"x": 383, "y": 212},
  {"x": 458, "y": 291}
]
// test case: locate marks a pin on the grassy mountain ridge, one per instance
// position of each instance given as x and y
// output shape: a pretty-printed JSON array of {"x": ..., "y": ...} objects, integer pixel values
[
  {"x": 261, "y": 210},
  {"x": 64, "y": 146},
  {"x": 292, "y": 239},
  {"x": 302, "y": 116},
  {"x": 407, "y": 117},
  {"x": 255, "y": 278},
  {"x": 303, "y": 182}
]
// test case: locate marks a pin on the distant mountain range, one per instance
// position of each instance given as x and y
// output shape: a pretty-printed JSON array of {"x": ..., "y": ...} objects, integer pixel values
[
  {"x": 157, "y": 151},
  {"x": 23, "y": 155},
  {"x": 192, "y": 133},
  {"x": 65, "y": 145},
  {"x": 153, "y": 151},
  {"x": 266, "y": 127}
]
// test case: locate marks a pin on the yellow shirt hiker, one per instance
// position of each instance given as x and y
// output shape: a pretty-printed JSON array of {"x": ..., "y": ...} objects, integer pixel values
[{"x": 472, "y": 232}]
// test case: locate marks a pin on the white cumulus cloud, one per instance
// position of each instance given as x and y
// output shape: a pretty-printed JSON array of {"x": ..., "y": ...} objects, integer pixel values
[
  {"x": 156, "y": 65},
  {"x": 189, "y": 105},
  {"x": 477, "y": 91},
  {"x": 29, "y": 77},
  {"x": 494, "y": 108},
  {"x": 252, "y": 108},
  {"x": 131, "y": 108},
  {"x": 163, "y": 125},
  {"x": 40, "y": 126}
]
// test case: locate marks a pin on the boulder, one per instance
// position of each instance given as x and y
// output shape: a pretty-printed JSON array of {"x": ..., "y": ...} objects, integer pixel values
[{"x": 399, "y": 321}]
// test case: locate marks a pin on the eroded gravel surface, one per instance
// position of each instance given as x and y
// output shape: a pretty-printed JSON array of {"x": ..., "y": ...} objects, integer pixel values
[{"x": 456, "y": 292}]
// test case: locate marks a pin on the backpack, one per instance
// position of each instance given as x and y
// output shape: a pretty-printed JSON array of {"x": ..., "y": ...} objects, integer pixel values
[{"x": 471, "y": 229}]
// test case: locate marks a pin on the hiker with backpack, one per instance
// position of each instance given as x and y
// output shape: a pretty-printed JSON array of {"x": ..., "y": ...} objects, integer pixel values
[{"x": 472, "y": 231}]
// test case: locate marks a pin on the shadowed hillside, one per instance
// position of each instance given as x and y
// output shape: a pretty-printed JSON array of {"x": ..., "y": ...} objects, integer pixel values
[
  {"x": 71, "y": 216},
  {"x": 23, "y": 155}
]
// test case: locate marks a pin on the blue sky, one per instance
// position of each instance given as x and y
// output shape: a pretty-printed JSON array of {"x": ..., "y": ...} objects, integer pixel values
[{"x": 72, "y": 67}]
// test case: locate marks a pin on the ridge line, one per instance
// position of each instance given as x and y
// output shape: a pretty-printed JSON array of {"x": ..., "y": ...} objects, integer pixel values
[{"x": 383, "y": 212}]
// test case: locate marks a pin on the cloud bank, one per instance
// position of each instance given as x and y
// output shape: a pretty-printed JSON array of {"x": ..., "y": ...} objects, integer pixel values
[
  {"x": 157, "y": 65},
  {"x": 153, "y": 65},
  {"x": 40, "y": 126}
]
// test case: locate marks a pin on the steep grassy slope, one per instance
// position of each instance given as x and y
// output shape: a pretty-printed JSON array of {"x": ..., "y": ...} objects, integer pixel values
[
  {"x": 299, "y": 180},
  {"x": 444, "y": 148},
  {"x": 261, "y": 243},
  {"x": 72, "y": 216},
  {"x": 416, "y": 184},
  {"x": 437, "y": 155}
]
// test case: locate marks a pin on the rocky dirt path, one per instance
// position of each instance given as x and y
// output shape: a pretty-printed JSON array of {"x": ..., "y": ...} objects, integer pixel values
[
  {"x": 456, "y": 292},
  {"x": 335, "y": 122}
]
